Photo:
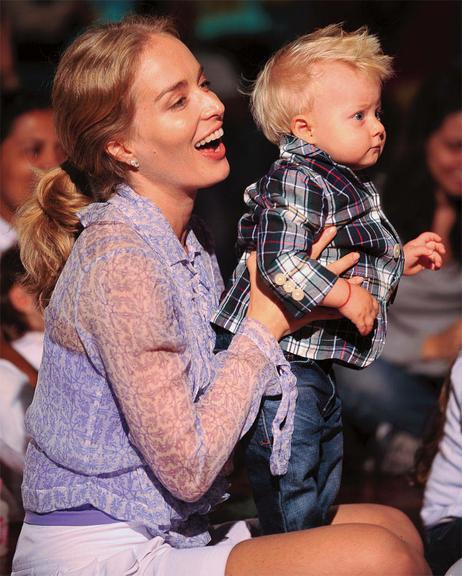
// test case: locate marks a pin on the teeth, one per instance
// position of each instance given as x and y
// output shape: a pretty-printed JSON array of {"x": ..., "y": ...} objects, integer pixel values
[{"x": 214, "y": 136}]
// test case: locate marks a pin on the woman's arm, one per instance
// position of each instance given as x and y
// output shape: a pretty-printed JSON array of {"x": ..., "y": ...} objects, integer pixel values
[{"x": 127, "y": 306}]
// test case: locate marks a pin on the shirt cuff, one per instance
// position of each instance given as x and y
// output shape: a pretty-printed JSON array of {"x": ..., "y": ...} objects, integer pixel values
[{"x": 265, "y": 341}]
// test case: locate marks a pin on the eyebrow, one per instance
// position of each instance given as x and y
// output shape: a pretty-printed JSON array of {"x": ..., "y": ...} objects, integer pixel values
[{"x": 177, "y": 85}]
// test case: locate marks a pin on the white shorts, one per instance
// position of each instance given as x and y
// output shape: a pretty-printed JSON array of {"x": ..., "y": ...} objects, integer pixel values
[{"x": 119, "y": 549}]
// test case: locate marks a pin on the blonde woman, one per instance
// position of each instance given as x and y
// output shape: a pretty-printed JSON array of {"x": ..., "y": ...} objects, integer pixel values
[{"x": 134, "y": 417}]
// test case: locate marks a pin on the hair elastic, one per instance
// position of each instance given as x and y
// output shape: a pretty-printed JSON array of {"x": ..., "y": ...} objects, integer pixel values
[{"x": 78, "y": 178}]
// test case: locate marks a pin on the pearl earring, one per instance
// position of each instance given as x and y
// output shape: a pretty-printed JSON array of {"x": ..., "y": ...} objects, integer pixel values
[{"x": 134, "y": 163}]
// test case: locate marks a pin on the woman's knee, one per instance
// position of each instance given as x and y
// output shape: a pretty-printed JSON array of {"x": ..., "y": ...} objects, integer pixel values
[
  {"x": 398, "y": 523},
  {"x": 386, "y": 553}
]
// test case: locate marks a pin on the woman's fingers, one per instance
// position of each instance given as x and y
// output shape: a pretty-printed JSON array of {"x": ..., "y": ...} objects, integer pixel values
[
  {"x": 252, "y": 266},
  {"x": 343, "y": 264},
  {"x": 323, "y": 241},
  {"x": 355, "y": 280}
]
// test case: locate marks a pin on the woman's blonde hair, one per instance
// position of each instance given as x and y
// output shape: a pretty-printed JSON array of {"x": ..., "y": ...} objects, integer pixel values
[
  {"x": 92, "y": 103},
  {"x": 279, "y": 92}
]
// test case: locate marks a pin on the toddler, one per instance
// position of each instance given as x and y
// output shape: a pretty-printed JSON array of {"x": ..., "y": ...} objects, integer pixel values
[{"x": 319, "y": 99}]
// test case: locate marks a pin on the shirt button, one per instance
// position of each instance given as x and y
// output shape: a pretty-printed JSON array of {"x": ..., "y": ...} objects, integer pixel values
[
  {"x": 298, "y": 294},
  {"x": 289, "y": 286},
  {"x": 396, "y": 251},
  {"x": 279, "y": 279}
]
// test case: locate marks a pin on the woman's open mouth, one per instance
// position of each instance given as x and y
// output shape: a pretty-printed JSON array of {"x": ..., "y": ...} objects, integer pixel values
[{"x": 212, "y": 145}]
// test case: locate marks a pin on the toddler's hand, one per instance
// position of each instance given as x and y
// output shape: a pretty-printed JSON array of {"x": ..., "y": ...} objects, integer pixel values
[
  {"x": 361, "y": 308},
  {"x": 425, "y": 251}
]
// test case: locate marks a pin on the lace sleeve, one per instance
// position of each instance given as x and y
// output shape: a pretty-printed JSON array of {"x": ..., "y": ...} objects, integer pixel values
[{"x": 127, "y": 306}]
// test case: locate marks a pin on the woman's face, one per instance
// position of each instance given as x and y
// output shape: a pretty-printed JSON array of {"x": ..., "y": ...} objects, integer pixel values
[
  {"x": 32, "y": 143},
  {"x": 444, "y": 155},
  {"x": 175, "y": 113}
]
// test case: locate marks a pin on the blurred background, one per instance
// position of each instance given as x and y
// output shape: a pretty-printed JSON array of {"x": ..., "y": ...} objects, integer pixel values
[
  {"x": 386, "y": 418},
  {"x": 232, "y": 39}
]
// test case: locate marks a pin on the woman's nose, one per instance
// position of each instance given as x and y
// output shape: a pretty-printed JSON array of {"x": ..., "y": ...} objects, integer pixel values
[{"x": 213, "y": 106}]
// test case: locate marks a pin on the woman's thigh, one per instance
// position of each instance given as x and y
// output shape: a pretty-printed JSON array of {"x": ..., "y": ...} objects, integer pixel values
[
  {"x": 118, "y": 549},
  {"x": 337, "y": 550}
]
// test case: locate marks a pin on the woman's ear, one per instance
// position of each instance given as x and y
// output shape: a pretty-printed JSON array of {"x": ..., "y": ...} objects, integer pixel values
[
  {"x": 302, "y": 128},
  {"x": 121, "y": 151}
]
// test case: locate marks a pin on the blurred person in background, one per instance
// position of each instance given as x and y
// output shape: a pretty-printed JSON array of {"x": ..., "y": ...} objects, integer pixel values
[
  {"x": 22, "y": 327},
  {"x": 28, "y": 142},
  {"x": 392, "y": 400},
  {"x": 439, "y": 466}
]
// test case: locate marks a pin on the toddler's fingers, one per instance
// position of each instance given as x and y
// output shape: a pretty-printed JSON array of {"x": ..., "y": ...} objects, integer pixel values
[
  {"x": 440, "y": 248},
  {"x": 437, "y": 261},
  {"x": 428, "y": 237}
]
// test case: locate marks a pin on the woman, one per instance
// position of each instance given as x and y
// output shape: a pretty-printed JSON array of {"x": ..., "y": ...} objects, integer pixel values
[
  {"x": 425, "y": 321},
  {"x": 134, "y": 418}
]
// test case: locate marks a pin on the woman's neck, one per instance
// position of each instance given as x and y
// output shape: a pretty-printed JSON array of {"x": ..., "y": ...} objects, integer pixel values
[{"x": 175, "y": 205}]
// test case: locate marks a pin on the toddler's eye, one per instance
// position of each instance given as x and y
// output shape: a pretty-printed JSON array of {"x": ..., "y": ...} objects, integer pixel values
[
  {"x": 379, "y": 114},
  {"x": 359, "y": 116}
]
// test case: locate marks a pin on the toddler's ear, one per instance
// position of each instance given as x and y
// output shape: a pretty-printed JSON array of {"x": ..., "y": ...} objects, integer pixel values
[{"x": 301, "y": 127}]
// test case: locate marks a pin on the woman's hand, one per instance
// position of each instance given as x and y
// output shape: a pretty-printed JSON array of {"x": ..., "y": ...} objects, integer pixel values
[{"x": 265, "y": 307}]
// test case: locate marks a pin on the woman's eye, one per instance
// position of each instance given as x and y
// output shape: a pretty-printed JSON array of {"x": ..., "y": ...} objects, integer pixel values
[
  {"x": 358, "y": 116},
  {"x": 180, "y": 103},
  {"x": 205, "y": 84}
]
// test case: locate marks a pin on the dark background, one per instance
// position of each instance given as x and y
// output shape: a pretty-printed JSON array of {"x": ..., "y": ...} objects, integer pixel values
[{"x": 233, "y": 39}]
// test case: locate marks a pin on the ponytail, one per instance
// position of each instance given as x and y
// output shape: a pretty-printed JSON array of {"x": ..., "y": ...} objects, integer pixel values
[
  {"x": 92, "y": 102},
  {"x": 48, "y": 226}
]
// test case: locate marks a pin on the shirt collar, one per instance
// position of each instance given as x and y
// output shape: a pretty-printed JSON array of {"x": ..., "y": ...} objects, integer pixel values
[
  {"x": 291, "y": 145},
  {"x": 128, "y": 207}
]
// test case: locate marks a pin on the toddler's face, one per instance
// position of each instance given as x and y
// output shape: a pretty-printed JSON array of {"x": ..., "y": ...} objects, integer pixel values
[{"x": 344, "y": 119}]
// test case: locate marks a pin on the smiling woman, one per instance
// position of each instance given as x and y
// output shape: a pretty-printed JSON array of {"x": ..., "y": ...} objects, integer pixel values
[
  {"x": 175, "y": 118},
  {"x": 134, "y": 416}
]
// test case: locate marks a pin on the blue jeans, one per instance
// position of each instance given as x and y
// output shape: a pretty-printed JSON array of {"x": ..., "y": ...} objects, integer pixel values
[{"x": 301, "y": 498}]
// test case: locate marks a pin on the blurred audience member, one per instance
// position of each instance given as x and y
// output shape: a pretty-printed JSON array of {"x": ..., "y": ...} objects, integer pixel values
[
  {"x": 22, "y": 328},
  {"x": 22, "y": 323},
  {"x": 393, "y": 399},
  {"x": 28, "y": 141},
  {"x": 442, "y": 507}
]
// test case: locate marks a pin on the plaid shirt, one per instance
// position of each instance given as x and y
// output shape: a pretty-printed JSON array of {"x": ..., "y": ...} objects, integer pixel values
[{"x": 303, "y": 192}]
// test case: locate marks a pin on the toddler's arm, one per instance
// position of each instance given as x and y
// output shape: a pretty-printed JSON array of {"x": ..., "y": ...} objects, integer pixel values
[
  {"x": 424, "y": 252},
  {"x": 287, "y": 214}
]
